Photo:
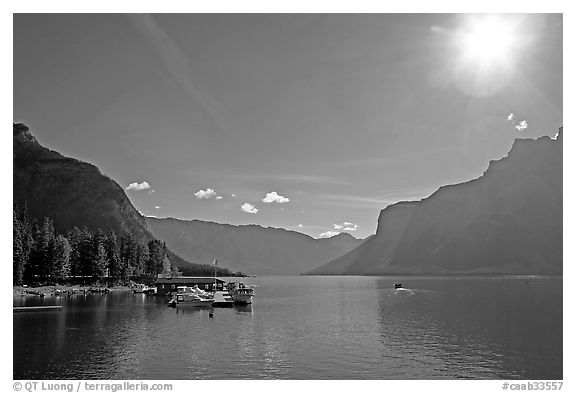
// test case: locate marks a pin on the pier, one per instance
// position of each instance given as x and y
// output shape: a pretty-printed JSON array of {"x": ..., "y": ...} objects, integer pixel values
[{"x": 37, "y": 308}]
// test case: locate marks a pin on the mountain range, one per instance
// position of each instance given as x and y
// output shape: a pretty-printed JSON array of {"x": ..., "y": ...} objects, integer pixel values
[
  {"x": 75, "y": 193},
  {"x": 508, "y": 221},
  {"x": 249, "y": 248}
]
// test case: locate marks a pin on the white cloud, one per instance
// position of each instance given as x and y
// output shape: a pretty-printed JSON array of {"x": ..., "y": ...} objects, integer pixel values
[
  {"x": 521, "y": 125},
  {"x": 327, "y": 234},
  {"x": 274, "y": 197},
  {"x": 346, "y": 226},
  {"x": 219, "y": 197},
  {"x": 207, "y": 193},
  {"x": 138, "y": 186},
  {"x": 249, "y": 208}
]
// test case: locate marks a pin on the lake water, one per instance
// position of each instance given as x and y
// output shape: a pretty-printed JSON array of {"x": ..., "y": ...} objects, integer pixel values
[{"x": 304, "y": 328}]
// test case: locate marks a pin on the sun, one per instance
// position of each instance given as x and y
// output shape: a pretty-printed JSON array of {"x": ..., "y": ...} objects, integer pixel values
[
  {"x": 486, "y": 51},
  {"x": 489, "y": 40}
]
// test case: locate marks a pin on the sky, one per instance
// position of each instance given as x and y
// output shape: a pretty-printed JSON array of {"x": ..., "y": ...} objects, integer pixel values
[{"x": 309, "y": 122}]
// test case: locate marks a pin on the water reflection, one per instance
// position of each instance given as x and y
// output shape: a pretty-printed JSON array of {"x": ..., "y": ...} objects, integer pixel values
[
  {"x": 303, "y": 328},
  {"x": 474, "y": 328}
]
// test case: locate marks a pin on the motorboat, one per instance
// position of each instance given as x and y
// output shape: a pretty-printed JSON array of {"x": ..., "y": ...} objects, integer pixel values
[
  {"x": 223, "y": 299},
  {"x": 191, "y": 296},
  {"x": 240, "y": 292},
  {"x": 140, "y": 288}
]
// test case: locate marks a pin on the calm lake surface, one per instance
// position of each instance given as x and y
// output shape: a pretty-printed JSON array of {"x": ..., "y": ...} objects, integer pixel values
[{"x": 304, "y": 328}]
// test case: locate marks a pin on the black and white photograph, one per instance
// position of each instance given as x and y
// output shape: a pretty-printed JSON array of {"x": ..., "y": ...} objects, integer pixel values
[{"x": 224, "y": 196}]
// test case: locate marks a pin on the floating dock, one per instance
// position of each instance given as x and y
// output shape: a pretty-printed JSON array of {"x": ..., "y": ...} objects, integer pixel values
[{"x": 37, "y": 308}]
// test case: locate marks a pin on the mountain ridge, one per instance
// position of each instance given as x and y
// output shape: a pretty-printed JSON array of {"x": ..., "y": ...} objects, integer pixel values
[
  {"x": 341, "y": 234},
  {"x": 507, "y": 221},
  {"x": 251, "y": 248}
]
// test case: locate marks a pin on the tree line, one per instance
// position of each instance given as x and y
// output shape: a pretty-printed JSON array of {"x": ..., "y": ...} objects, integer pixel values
[{"x": 42, "y": 255}]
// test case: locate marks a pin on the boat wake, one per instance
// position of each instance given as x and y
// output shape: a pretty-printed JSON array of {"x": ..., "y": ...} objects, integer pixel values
[{"x": 403, "y": 291}]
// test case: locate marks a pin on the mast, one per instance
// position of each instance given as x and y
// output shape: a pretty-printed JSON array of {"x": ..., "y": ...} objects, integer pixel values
[{"x": 215, "y": 263}]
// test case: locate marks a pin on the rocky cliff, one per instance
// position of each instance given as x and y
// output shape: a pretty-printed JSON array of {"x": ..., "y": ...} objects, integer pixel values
[
  {"x": 74, "y": 193},
  {"x": 508, "y": 221}
]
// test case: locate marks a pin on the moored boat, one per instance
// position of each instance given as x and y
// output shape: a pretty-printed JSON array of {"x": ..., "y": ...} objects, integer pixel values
[
  {"x": 194, "y": 297},
  {"x": 240, "y": 292},
  {"x": 139, "y": 288},
  {"x": 223, "y": 299}
]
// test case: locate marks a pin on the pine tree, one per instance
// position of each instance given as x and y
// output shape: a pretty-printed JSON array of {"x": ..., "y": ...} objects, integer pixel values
[
  {"x": 112, "y": 255},
  {"x": 61, "y": 259},
  {"x": 126, "y": 257},
  {"x": 18, "y": 259},
  {"x": 74, "y": 237},
  {"x": 166, "y": 267},
  {"x": 174, "y": 271},
  {"x": 100, "y": 262},
  {"x": 156, "y": 254},
  {"x": 86, "y": 253},
  {"x": 99, "y": 265}
]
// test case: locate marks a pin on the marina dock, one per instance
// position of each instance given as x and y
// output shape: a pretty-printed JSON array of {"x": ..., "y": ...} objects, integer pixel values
[{"x": 37, "y": 308}]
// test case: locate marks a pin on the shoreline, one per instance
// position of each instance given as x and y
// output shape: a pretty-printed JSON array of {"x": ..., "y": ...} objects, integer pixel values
[{"x": 57, "y": 290}]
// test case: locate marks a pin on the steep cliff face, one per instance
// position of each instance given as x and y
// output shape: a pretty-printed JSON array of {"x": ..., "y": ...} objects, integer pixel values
[
  {"x": 508, "y": 221},
  {"x": 72, "y": 192},
  {"x": 249, "y": 248}
]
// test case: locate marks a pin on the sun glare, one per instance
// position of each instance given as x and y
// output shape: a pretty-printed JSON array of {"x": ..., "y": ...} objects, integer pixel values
[
  {"x": 486, "y": 50},
  {"x": 489, "y": 41}
]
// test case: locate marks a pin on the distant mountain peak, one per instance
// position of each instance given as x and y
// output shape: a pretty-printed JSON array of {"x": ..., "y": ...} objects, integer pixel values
[
  {"x": 507, "y": 221},
  {"x": 22, "y": 133}
]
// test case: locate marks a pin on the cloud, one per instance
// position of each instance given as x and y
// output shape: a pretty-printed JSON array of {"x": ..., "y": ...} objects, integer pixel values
[
  {"x": 274, "y": 197},
  {"x": 138, "y": 186},
  {"x": 249, "y": 208},
  {"x": 219, "y": 197},
  {"x": 327, "y": 234},
  {"x": 519, "y": 125},
  {"x": 522, "y": 125},
  {"x": 346, "y": 226},
  {"x": 207, "y": 193}
]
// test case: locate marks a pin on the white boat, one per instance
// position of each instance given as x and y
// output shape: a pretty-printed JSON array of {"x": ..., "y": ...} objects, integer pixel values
[
  {"x": 241, "y": 293},
  {"x": 140, "y": 288},
  {"x": 195, "y": 297},
  {"x": 223, "y": 299}
]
